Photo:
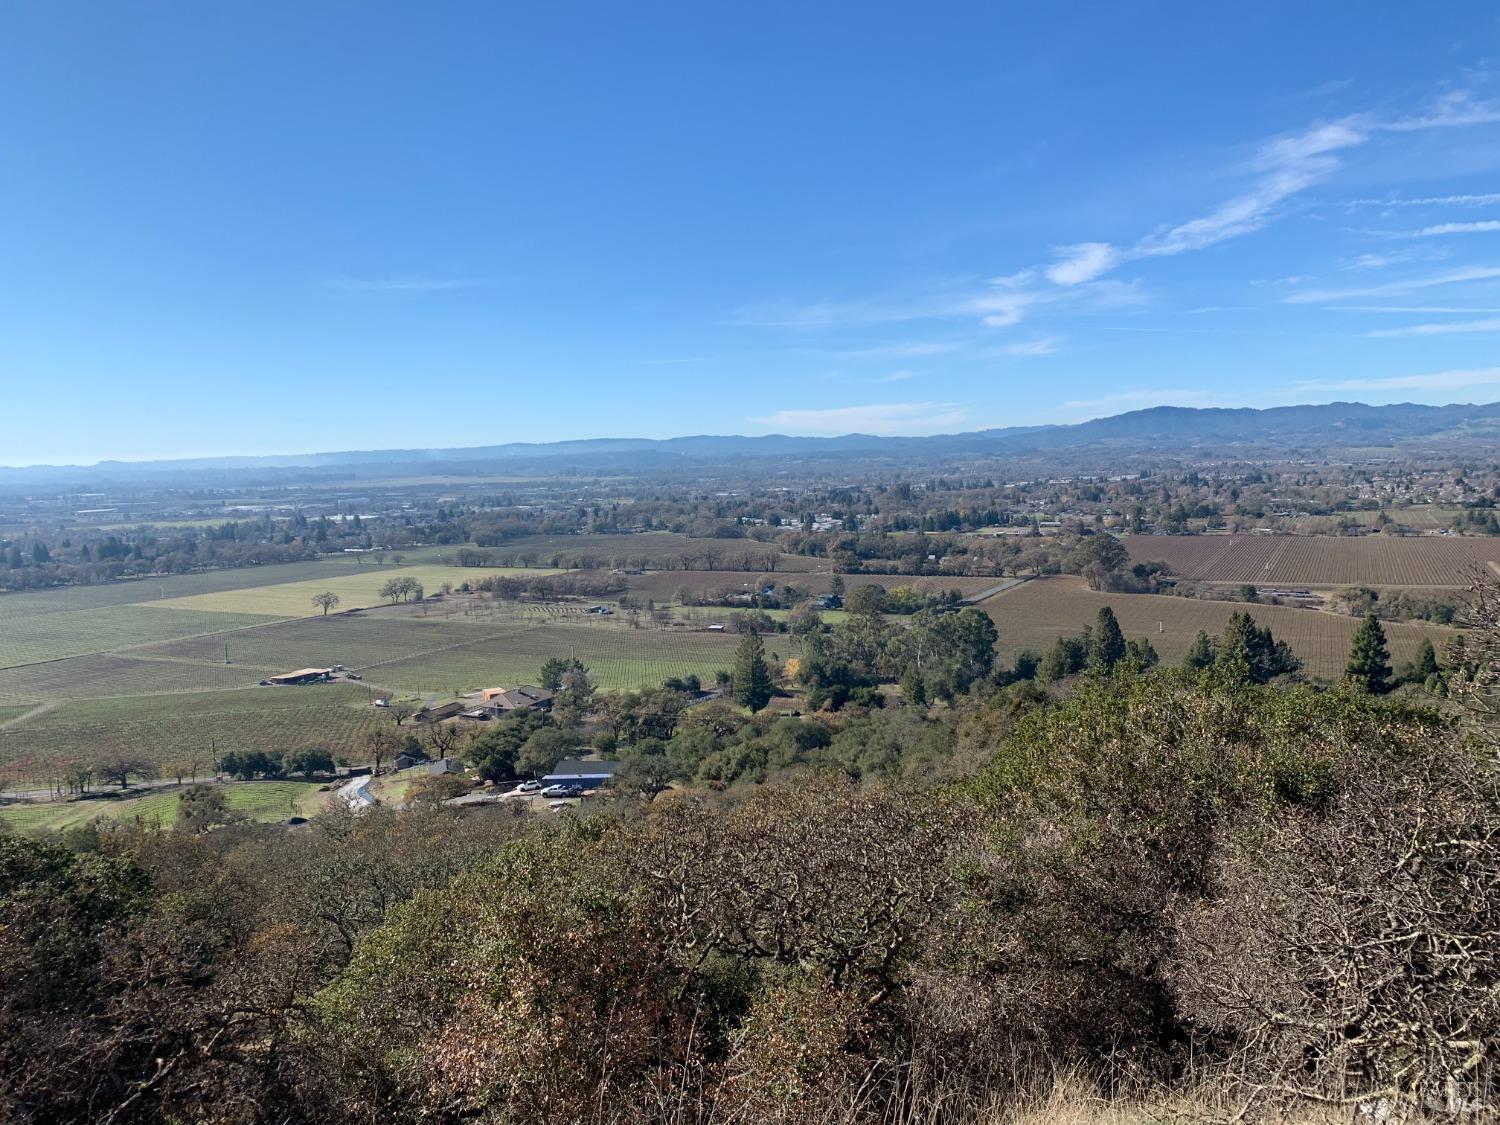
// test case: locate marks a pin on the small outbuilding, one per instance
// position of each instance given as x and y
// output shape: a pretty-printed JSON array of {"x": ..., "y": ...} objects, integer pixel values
[
  {"x": 302, "y": 676},
  {"x": 582, "y": 771}
]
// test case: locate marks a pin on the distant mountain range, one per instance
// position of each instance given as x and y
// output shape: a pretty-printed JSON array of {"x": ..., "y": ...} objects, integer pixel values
[{"x": 1165, "y": 430}]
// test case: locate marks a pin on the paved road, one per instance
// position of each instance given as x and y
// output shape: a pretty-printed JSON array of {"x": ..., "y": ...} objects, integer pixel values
[
  {"x": 356, "y": 792},
  {"x": 1008, "y": 584}
]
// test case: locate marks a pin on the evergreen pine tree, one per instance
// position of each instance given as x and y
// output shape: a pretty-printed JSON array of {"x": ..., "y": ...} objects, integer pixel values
[
  {"x": 1054, "y": 665},
  {"x": 1200, "y": 653},
  {"x": 752, "y": 677},
  {"x": 1369, "y": 658},
  {"x": 1424, "y": 663},
  {"x": 914, "y": 687},
  {"x": 1142, "y": 653},
  {"x": 1107, "y": 644}
]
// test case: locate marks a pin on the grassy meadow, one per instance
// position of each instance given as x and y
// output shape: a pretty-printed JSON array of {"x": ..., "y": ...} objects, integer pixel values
[{"x": 253, "y": 800}]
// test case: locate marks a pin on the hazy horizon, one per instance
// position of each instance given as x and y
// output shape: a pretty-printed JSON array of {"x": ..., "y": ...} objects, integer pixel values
[{"x": 429, "y": 447}]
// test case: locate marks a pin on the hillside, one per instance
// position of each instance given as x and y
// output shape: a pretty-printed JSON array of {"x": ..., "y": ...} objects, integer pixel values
[{"x": 1309, "y": 429}]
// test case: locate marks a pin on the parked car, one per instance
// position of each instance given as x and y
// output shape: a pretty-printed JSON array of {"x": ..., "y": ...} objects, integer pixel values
[
  {"x": 382, "y": 703},
  {"x": 352, "y": 676},
  {"x": 528, "y": 787},
  {"x": 562, "y": 791},
  {"x": 265, "y": 683}
]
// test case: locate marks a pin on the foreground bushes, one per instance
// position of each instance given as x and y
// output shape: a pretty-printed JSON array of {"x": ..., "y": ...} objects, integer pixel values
[{"x": 1154, "y": 882}]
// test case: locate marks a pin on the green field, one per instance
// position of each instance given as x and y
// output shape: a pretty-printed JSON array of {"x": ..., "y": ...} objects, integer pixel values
[
  {"x": 355, "y": 590},
  {"x": 618, "y": 658},
  {"x": 142, "y": 590},
  {"x": 151, "y": 678},
  {"x": 186, "y": 728},
  {"x": 80, "y": 632},
  {"x": 254, "y": 800},
  {"x": 103, "y": 674}
]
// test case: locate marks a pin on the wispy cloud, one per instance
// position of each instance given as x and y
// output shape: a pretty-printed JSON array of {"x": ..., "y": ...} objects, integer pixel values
[
  {"x": 1429, "y": 309},
  {"x": 1282, "y": 168},
  {"x": 1045, "y": 345},
  {"x": 1481, "y": 227},
  {"x": 1400, "y": 256},
  {"x": 1279, "y": 170},
  {"x": 912, "y": 349},
  {"x": 1455, "y": 109},
  {"x": 1437, "y": 381},
  {"x": 1450, "y": 329},
  {"x": 894, "y": 418},
  {"x": 1450, "y": 277},
  {"x": 1483, "y": 200},
  {"x": 1082, "y": 262},
  {"x": 345, "y": 284}
]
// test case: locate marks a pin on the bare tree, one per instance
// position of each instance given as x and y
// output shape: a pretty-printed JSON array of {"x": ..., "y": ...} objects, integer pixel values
[{"x": 325, "y": 601}]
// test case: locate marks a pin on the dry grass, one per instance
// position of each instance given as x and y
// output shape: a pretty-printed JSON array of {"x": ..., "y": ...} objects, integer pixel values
[
  {"x": 1034, "y": 615},
  {"x": 1312, "y": 560}
]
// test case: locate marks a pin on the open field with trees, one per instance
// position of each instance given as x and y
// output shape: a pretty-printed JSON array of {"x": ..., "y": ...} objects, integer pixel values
[
  {"x": 666, "y": 586},
  {"x": 1295, "y": 560},
  {"x": 354, "y": 591},
  {"x": 194, "y": 730},
  {"x": 618, "y": 658},
  {"x": 1033, "y": 615},
  {"x": 649, "y": 550},
  {"x": 252, "y": 800},
  {"x": 162, "y": 587}
]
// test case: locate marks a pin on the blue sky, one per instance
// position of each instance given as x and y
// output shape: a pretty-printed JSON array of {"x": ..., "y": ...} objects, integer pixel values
[{"x": 275, "y": 227}]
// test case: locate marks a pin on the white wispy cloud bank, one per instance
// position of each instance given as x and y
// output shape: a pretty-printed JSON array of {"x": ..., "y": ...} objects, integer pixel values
[
  {"x": 1481, "y": 200},
  {"x": 1482, "y": 227},
  {"x": 885, "y": 419},
  {"x": 1076, "y": 279},
  {"x": 1082, "y": 262},
  {"x": 1409, "y": 285},
  {"x": 1450, "y": 329},
  {"x": 1437, "y": 381}
]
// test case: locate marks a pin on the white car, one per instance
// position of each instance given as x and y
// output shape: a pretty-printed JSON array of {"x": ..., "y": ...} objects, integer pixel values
[{"x": 528, "y": 787}]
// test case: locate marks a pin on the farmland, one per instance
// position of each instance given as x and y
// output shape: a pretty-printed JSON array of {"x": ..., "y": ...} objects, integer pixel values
[
  {"x": 1373, "y": 560},
  {"x": 167, "y": 728},
  {"x": 294, "y": 599},
  {"x": 668, "y": 585},
  {"x": 83, "y": 671},
  {"x": 86, "y": 631},
  {"x": 648, "y": 549},
  {"x": 1032, "y": 616},
  {"x": 253, "y": 800},
  {"x": 88, "y": 670},
  {"x": 137, "y": 591}
]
